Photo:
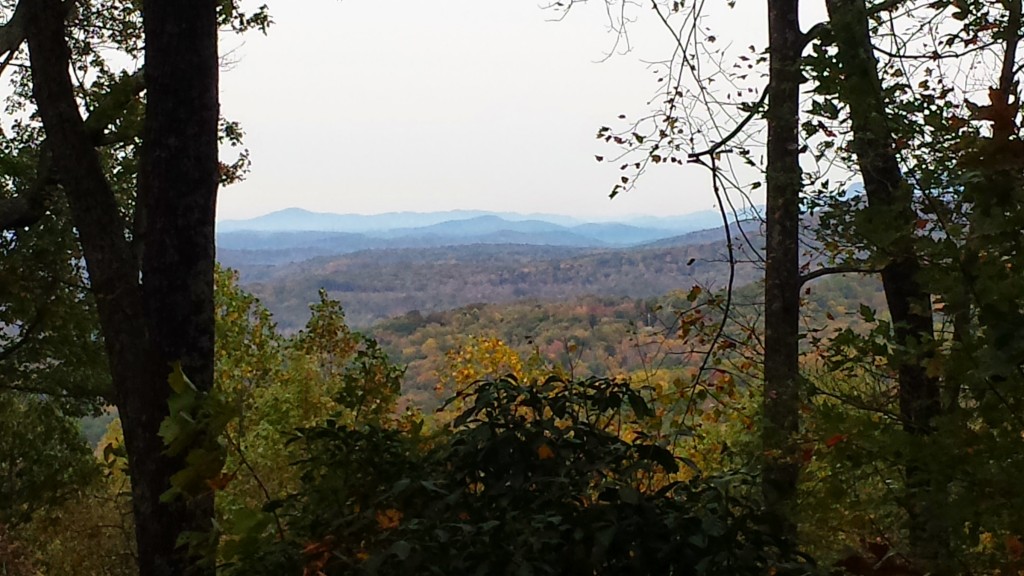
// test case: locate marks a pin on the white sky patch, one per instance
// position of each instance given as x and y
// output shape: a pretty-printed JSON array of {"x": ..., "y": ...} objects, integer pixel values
[{"x": 363, "y": 106}]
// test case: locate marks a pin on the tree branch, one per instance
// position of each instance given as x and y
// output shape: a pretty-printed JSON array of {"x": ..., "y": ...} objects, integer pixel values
[
  {"x": 112, "y": 107},
  {"x": 45, "y": 391},
  {"x": 819, "y": 29},
  {"x": 735, "y": 131},
  {"x": 883, "y": 6},
  {"x": 858, "y": 404},
  {"x": 830, "y": 270},
  {"x": 27, "y": 207},
  {"x": 24, "y": 336},
  {"x": 1006, "y": 72},
  {"x": 113, "y": 273},
  {"x": 815, "y": 32},
  {"x": 12, "y": 33}
]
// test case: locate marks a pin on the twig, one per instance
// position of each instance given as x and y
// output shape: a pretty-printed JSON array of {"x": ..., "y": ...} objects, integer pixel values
[
  {"x": 259, "y": 482},
  {"x": 727, "y": 307}
]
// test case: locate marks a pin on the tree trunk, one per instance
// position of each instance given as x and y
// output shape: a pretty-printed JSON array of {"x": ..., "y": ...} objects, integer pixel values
[
  {"x": 890, "y": 200},
  {"x": 782, "y": 273},
  {"x": 166, "y": 317},
  {"x": 178, "y": 181}
]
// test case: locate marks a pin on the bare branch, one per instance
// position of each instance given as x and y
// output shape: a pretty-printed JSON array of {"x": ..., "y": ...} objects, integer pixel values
[
  {"x": 735, "y": 131},
  {"x": 858, "y": 404},
  {"x": 830, "y": 270},
  {"x": 237, "y": 445}
]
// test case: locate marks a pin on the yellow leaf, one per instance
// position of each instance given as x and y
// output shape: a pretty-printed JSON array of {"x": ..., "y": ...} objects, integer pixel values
[{"x": 178, "y": 381}]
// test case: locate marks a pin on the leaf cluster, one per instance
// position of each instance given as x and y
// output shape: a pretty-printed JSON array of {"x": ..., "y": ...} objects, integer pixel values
[{"x": 531, "y": 478}]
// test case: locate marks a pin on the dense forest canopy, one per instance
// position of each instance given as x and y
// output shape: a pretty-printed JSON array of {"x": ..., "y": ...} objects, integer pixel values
[{"x": 832, "y": 385}]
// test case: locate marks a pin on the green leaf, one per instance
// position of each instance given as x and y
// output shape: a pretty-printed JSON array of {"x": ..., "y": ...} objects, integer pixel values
[{"x": 867, "y": 313}]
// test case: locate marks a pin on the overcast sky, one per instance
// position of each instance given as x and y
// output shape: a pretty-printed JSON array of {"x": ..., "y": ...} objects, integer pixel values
[{"x": 364, "y": 106}]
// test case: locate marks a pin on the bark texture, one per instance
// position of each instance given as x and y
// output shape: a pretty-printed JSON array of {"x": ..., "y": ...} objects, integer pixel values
[
  {"x": 178, "y": 181},
  {"x": 782, "y": 274}
]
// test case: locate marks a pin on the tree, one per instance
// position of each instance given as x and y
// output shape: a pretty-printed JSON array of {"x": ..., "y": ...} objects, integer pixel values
[
  {"x": 889, "y": 198},
  {"x": 942, "y": 205},
  {"x": 781, "y": 418},
  {"x": 150, "y": 269}
]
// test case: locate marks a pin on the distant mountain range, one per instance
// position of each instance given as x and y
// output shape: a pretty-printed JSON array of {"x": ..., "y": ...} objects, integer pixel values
[
  {"x": 294, "y": 235},
  {"x": 300, "y": 220},
  {"x": 388, "y": 265}
]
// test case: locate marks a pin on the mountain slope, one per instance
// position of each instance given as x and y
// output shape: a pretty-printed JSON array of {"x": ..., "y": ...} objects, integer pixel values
[{"x": 378, "y": 284}]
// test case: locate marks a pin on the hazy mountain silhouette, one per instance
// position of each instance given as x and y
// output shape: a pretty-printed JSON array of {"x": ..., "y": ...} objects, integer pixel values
[{"x": 294, "y": 235}]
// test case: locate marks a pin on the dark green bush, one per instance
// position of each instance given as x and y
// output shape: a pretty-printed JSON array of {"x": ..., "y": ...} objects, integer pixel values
[{"x": 531, "y": 479}]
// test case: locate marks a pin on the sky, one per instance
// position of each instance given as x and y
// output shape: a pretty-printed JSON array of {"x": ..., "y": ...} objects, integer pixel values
[{"x": 364, "y": 106}]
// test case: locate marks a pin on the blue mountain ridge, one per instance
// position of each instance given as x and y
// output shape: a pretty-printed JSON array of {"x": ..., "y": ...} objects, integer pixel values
[{"x": 301, "y": 220}]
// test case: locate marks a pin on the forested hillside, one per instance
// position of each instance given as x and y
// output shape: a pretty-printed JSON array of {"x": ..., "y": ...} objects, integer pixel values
[
  {"x": 378, "y": 284},
  {"x": 601, "y": 336}
]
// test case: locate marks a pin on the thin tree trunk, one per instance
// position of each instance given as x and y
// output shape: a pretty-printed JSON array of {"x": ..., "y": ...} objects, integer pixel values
[
  {"x": 782, "y": 274},
  {"x": 890, "y": 200}
]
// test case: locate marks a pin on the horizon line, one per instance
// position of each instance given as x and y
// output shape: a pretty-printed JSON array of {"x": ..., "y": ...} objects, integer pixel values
[{"x": 485, "y": 211}]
